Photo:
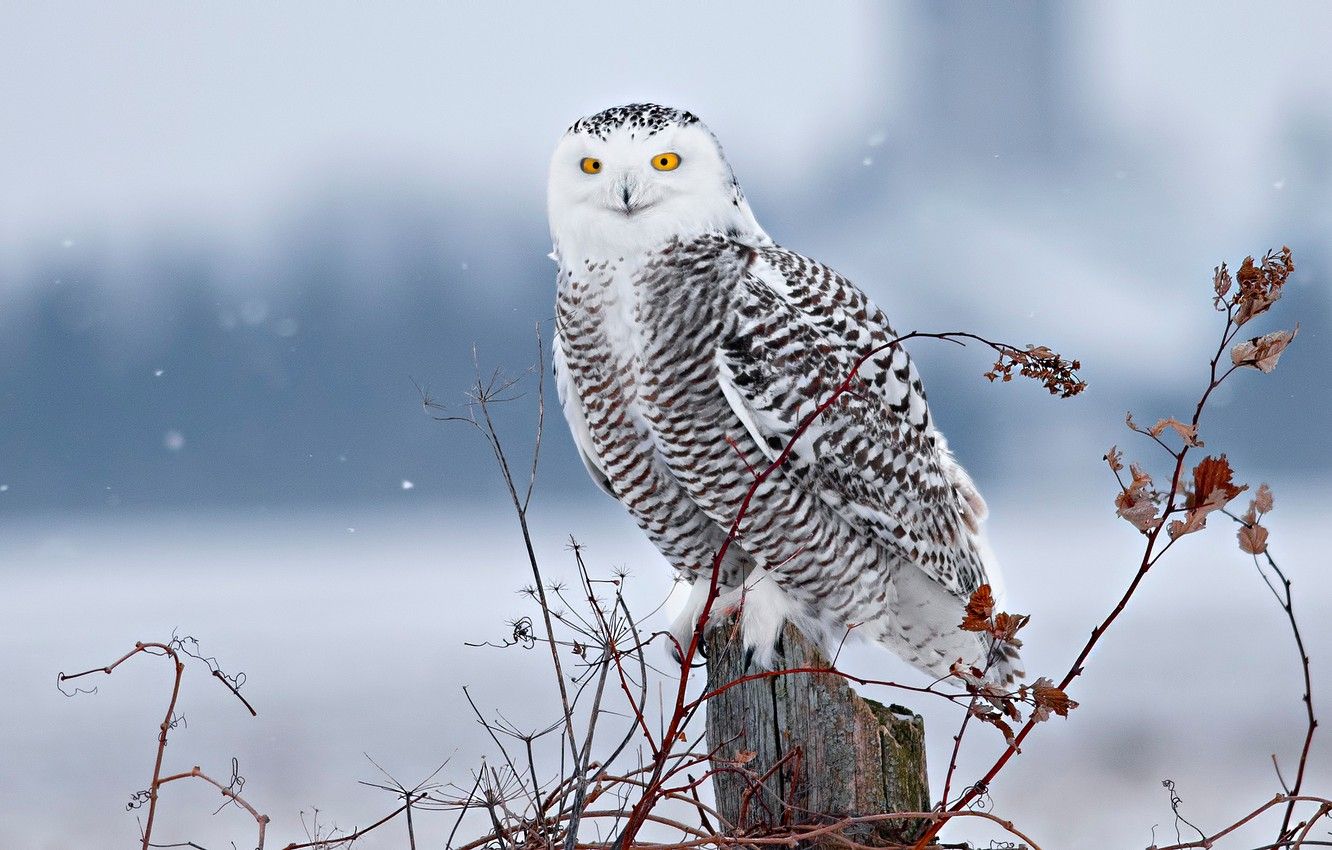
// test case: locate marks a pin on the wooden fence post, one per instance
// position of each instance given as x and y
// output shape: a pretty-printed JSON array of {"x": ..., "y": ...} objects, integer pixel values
[{"x": 822, "y": 752}]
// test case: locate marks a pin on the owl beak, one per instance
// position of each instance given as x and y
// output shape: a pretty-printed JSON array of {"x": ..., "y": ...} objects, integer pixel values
[{"x": 628, "y": 195}]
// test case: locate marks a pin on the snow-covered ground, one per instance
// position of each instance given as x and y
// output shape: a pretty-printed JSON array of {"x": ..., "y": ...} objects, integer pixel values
[{"x": 350, "y": 625}]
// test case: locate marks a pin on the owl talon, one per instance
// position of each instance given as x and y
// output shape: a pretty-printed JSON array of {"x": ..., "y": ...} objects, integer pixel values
[{"x": 701, "y": 651}]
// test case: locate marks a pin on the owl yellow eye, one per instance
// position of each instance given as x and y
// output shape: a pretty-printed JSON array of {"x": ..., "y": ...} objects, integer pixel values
[
  {"x": 666, "y": 161},
  {"x": 590, "y": 165}
]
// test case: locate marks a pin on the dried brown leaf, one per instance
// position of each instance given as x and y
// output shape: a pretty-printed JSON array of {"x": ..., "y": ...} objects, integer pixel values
[
  {"x": 1195, "y": 520},
  {"x": 995, "y": 719},
  {"x": 1260, "y": 284},
  {"x": 1041, "y": 363},
  {"x": 1212, "y": 490},
  {"x": 1263, "y": 352},
  {"x": 973, "y": 677},
  {"x": 1115, "y": 458},
  {"x": 1137, "y": 503},
  {"x": 1221, "y": 282},
  {"x": 1253, "y": 539},
  {"x": 1262, "y": 500},
  {"x": 1260, "y": 504},
  {"x": 1187, "y": 433},
  {"x": 1212, "y": 485},
  {"x": 1011, "y": 709}
]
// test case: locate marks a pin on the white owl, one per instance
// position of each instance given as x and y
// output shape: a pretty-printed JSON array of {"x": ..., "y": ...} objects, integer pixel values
[{"x": 689, "y": 347}]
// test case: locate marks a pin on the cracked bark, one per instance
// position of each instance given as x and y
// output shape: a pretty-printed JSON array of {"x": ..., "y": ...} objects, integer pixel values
[{"x": 824, "y": 752}]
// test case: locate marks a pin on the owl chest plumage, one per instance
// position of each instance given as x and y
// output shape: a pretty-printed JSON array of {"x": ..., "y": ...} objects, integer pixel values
[
  {"x": 600, "y": 361},
  {"x": 640, "y": 343},
  {"x": 638, "y": 351}
]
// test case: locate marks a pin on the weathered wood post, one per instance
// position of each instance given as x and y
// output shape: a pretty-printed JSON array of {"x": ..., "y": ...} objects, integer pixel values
[{"x": 823, "y": 752}]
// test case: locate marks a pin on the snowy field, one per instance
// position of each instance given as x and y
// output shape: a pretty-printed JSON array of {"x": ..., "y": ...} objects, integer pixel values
[{"x": 350, "y": 628}]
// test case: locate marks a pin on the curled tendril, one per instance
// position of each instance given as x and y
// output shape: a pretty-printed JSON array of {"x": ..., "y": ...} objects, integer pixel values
[{"x": 60, "y": 686}]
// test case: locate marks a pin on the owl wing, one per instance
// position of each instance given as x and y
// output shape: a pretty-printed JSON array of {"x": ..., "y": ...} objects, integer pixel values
[
  {"x": 795, "y": 331},
  {"x": 573, "y": 414}
]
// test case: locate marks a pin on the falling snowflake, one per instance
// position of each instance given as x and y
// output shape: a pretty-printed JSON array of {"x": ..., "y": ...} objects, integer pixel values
[
  {"x": 173, "y": 440},
  {"x": 407, "y": 485}
]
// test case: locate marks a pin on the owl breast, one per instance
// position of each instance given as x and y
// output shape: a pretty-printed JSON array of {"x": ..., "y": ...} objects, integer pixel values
[
  {"x": 599, "y": 356},
  {"x": 639, "y": 344}
]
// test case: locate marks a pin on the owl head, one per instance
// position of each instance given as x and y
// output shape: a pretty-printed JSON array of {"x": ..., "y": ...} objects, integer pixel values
[{"x": 631, "y": 177}]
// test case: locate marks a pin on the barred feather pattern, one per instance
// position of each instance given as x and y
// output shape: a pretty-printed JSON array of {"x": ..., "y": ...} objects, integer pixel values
[{"x": 684, "y": 371}]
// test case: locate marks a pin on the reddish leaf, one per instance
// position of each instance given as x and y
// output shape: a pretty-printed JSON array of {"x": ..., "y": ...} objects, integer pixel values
[
  {"x": 1006, "y": 627},
  {"x": 995, "y": 719},
  {"x": 1212, "y": 487},
  {"x": 1212, "y": 490},
  {"x": 1048, "y": 697},
  {"x": 980, "y": 607}
]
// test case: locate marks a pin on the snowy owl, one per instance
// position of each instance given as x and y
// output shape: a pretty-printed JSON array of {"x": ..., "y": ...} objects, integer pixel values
[{"x": 688, "y": 349}]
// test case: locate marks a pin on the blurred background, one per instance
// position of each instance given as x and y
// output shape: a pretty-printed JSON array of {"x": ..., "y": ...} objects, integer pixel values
[{"x": 236, "y": 239}]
